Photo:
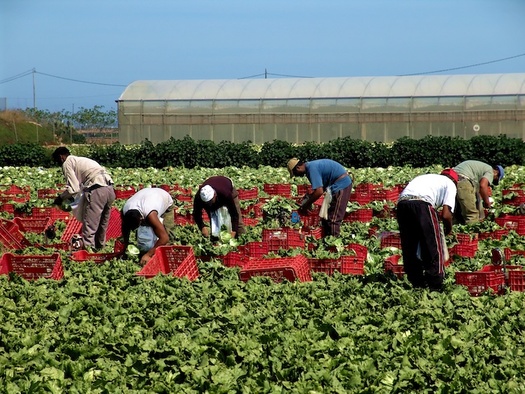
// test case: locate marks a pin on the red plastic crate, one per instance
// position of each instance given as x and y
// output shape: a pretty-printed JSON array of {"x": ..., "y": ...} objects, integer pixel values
[
  {"x": 477, "y": 282},
  {"x": 10, "y": 208},
  {"x": 115, "y": 225},
  {"x": 311, "y": 219},
  {"x": 73, "y": 227},
  {"x": 32, "y": 267},
  {"x": 124, "y": 192},
  {"x": 316, "y": 233},
  {"x": 255, "y": 249},
  {"x": 173, "y": 259},
  {"x": 348, "y": 265},
  {"x": 303, "y": 189},
  {"x": 248, "y": 194},
  {"x": 516, "y": 278},
  {"x": 367, "y": 187},
  {"x": 84, "y": 255},
  {"x": 518, "y": 199},
  {"x": 360, "y": 215},
  {"x": 390, "y": 239},
  {"x": 235, "y": 259},
  {"x": 278, "y": 189},
  {"x": 48, "y": 193},
  {"x": 512, "y": 222},
  {"x": 361, "y": 197},
  {"x": 278, "y": 269},
  {"x": 250, "y": 221},
  {"x": 496, "y": 234},
  {"x": 392, "y": 265},
  {"x": 509, "y": 253},
  {"x": 284, "y": 238},
  {"x": 51, "y": 212},
  {"x": 13, "y": 193},
  {"x": 384, "y": 194},
  {"x": 466, "y": 249},
  {"x": 11, "y": 236},
  {"x": 31, "y": 225}
]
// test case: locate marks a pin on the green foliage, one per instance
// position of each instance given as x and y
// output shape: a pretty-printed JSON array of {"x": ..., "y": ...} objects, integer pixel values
[{"x": 27, "y": 154}]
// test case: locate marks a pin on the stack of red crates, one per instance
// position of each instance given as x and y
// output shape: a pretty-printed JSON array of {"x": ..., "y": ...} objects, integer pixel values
[
  {"x": 278, "y": 269},
  {"x": 512, "y": 222},
  {"x": 176, "y": 260}
]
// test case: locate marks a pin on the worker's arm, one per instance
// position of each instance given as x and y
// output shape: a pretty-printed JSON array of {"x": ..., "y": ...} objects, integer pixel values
[
  {"x": 485, "y": 192},
  {"x": 447, "y": 219},
  {"x": 312, "y": 197}
]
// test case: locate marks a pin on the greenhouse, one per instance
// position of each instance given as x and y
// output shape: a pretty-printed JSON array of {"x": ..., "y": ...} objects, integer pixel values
[{"x": 297, "y": 110}]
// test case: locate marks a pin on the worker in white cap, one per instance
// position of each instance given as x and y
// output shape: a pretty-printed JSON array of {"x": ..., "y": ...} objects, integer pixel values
[{"x": 217, "y": 195}]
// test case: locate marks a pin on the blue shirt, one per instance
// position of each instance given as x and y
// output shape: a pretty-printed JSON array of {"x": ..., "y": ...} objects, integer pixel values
[{"x": 325, "y": 172}]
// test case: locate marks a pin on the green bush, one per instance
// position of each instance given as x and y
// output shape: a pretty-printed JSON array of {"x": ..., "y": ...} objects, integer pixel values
[{"x": 189, "y": 153}]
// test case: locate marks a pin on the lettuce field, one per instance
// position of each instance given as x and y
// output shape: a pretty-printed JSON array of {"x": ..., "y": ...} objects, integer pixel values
[{"x": 102, "y": 328}]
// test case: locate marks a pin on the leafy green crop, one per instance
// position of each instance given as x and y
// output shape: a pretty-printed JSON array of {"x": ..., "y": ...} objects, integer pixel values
[{"x": 105, "y": 329}]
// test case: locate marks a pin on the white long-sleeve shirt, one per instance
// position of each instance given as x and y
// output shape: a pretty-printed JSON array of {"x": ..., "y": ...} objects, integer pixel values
[{"x": 82, "y": 173}]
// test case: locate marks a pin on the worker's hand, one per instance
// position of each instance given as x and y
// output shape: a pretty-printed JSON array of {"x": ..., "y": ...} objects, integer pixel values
[
  {"x": 487, "y": 205},
  {"x": 205, "y": 231},
  {"x": 303, "y": 210},
  {"x": 58, "y": 201},
  {"x": 144, "y": 259}
]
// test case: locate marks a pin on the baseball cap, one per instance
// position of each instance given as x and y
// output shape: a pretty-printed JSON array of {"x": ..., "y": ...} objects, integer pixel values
[
  {"x": 501, "y": 175},
  {"x": 291, "y": 165},
  {"x": 207, "y": 193},
  {"x": 451, "y": 174}
]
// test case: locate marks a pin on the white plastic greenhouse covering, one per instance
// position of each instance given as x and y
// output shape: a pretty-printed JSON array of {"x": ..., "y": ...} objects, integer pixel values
[{"x": 320, "y": 109}]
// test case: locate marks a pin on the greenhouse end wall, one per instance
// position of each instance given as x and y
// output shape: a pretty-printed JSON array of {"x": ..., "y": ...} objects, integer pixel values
[{"x": 320, "y": 120}]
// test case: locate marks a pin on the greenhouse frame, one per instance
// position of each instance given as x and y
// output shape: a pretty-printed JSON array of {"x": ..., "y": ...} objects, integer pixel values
[{"x": 297, "y": 110}]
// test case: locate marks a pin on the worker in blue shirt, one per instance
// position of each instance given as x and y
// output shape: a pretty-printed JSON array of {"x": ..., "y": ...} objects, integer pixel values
[{"x": 328, "y": 178}]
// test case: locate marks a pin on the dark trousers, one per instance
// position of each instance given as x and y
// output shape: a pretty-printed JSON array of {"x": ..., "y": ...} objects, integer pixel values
[
  {"x": 419, "y": 226},
  {"x": 336, "y": 212}
]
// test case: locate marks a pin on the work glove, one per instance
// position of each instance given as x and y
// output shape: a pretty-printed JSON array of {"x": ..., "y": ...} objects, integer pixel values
[{"x": 58, "y": 201}]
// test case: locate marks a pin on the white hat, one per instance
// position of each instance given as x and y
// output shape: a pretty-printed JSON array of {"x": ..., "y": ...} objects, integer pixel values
[{"x": 207, "y": 193}]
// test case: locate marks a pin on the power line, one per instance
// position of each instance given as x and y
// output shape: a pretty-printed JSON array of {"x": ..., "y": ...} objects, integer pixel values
[
  {"x": 33, "y": 71},
  {"x": 78, "y": 80},
  {"x": 462, "y": 67}
]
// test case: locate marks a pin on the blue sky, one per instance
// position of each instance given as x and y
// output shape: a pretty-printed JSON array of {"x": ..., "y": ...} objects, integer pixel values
[{"x": 82, "y": 53}]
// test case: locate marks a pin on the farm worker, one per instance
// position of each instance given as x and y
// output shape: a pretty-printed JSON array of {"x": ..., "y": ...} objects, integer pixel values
[
  {"x": 150, "y": 212},
  {"x": 217, "y": 195},
  {"x": 422, "y": 239},
  {"x": 92, "y": 188},
  {"x": 474, "y": 189},
  {"x": 330, "y": 178}
]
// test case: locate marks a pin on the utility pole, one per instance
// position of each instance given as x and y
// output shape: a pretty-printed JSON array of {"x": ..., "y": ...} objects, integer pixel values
[{"x": 34, "y": 101}]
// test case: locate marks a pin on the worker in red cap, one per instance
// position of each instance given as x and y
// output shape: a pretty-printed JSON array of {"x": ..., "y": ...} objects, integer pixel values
[
  {"x": 422, "y": 240},
  {"x": 474, "y": 189}
]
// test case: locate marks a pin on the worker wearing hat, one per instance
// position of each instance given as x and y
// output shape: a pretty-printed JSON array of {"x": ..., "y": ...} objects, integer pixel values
[
  {"x": 328, "y": 178},
  {"x": 474, "y": 189},
  {"x": 217, "y": 192},
  {"x": 422, "y": 239}
]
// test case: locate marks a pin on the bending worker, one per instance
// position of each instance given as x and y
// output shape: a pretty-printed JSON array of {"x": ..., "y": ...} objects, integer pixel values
[
  {"x": 474, "y": 189},
  {"x": 215, "y": 193},
  {"x": 330, "y": 178},
  {"x": 149, "y": 211},
  {"x": 422, "y": 240},
  {"x": 90, "y": 183}
]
